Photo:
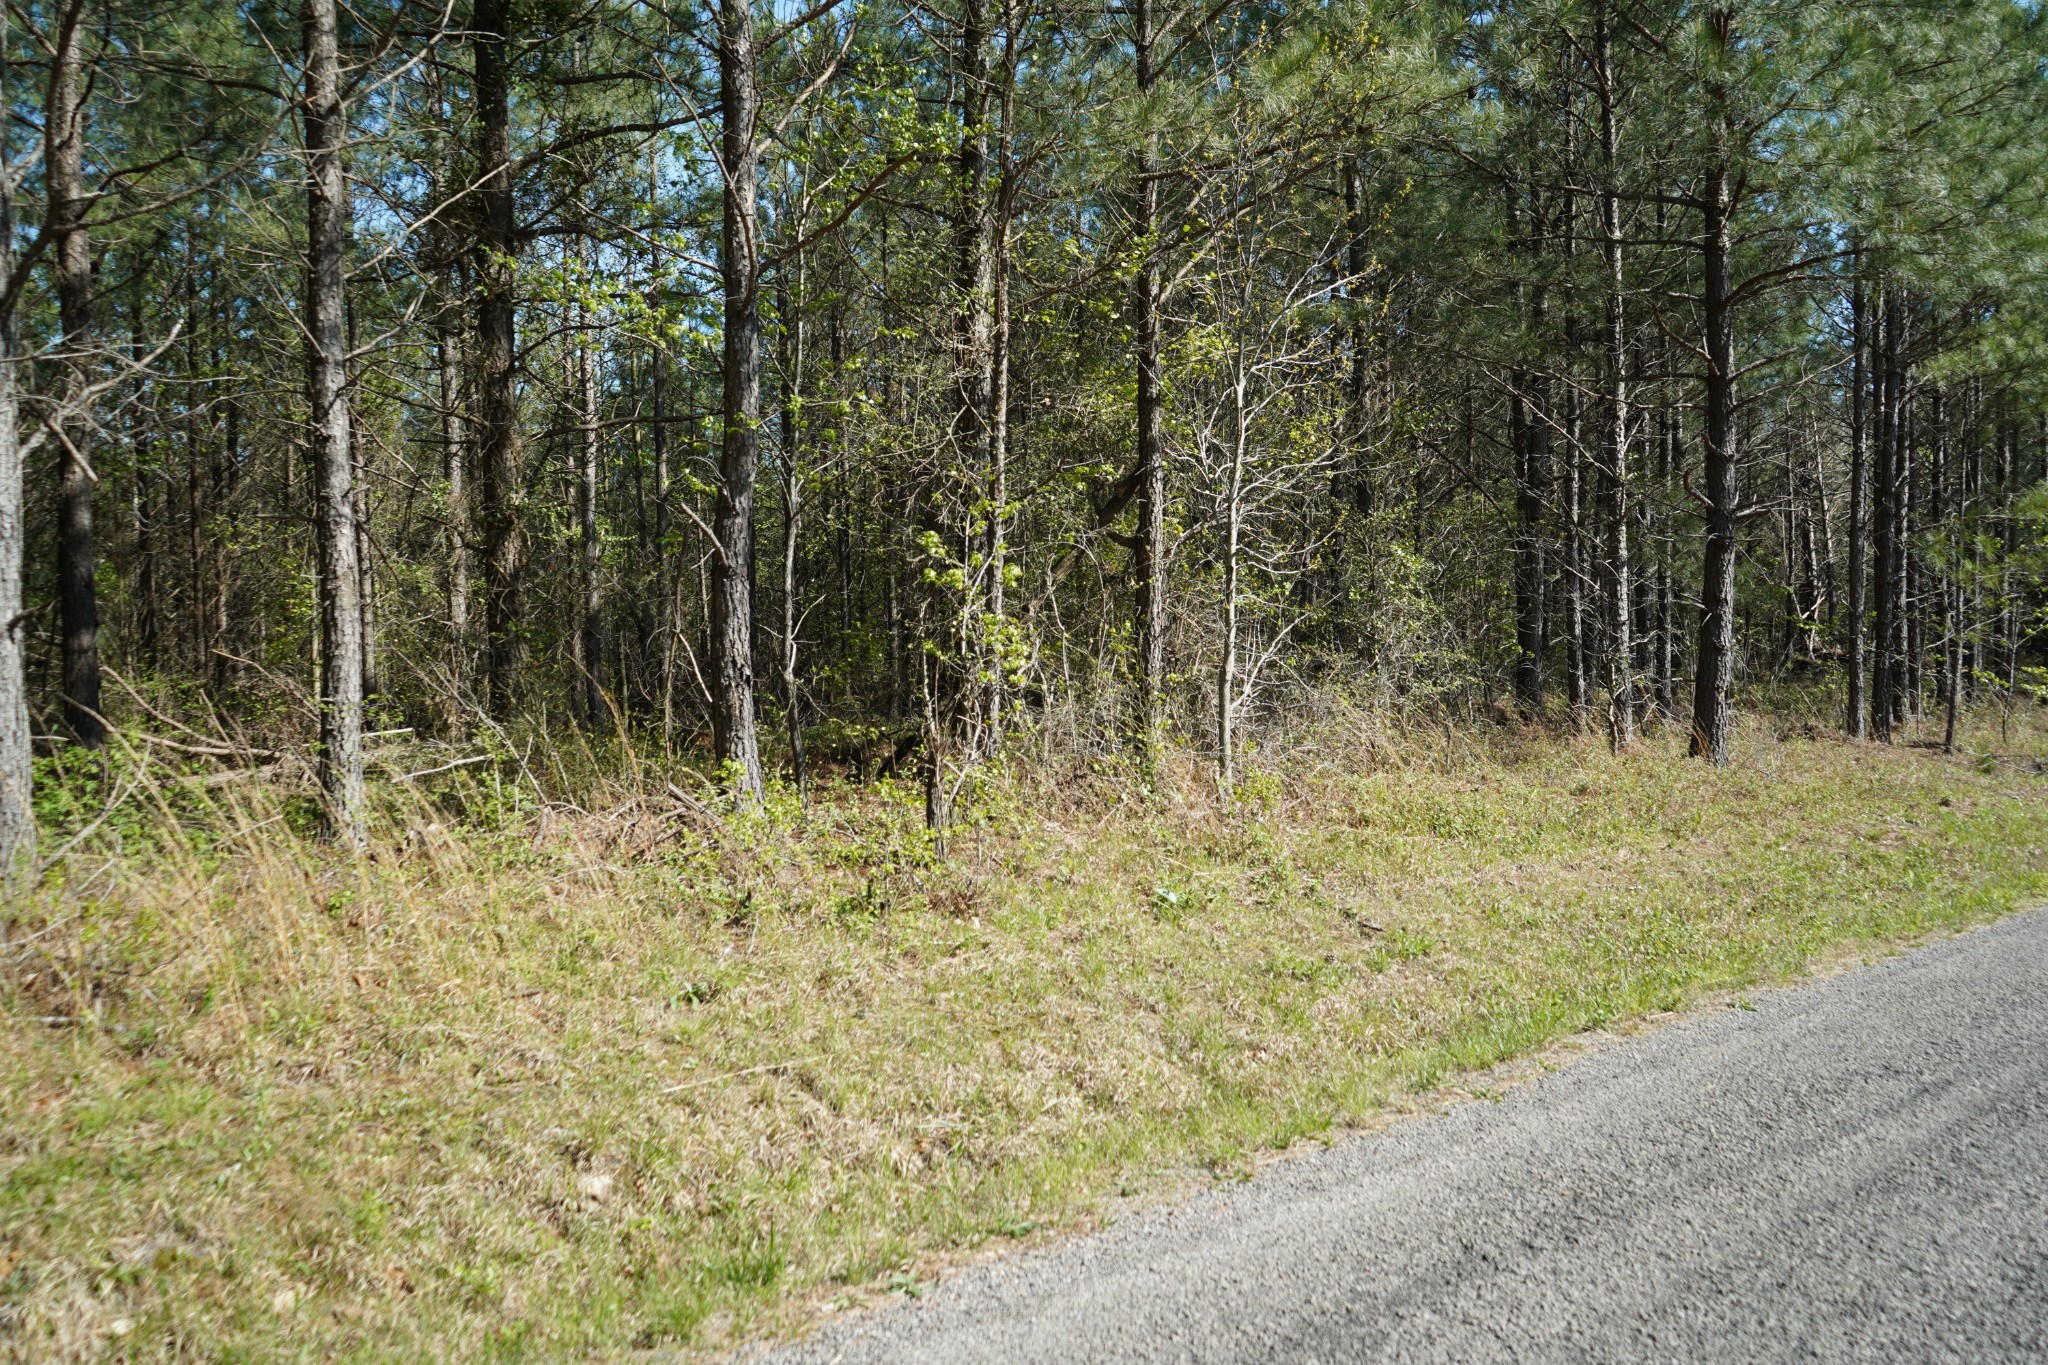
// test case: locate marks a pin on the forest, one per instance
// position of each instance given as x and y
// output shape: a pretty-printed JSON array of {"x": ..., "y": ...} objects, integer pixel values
[
  {"x": 857, "y": 389},
  {"x": 665, "y": 668}
]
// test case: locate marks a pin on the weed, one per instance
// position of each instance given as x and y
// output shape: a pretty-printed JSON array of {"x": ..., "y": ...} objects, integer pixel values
[{"x": 536, "y": 1081}]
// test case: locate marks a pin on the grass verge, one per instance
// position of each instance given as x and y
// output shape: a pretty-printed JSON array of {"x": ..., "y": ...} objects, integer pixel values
[{"x": 575, "y": 1083}]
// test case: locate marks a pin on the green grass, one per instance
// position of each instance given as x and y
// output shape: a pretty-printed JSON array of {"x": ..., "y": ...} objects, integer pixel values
[{"x": 617, "y": 1080}]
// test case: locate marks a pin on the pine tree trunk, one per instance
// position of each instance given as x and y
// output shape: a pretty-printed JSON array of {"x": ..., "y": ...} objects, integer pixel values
[
  {"x": 366, "y": 595},
  {"x": 792, "y": 690},
  {"x": 455, "y": 470},
  {"x": 1899, "y": 514},
  {"x": 195, "y": 517},
  {"x": 1714, "y": 674},
  {"x": 996, "y": 490},
  {"x": 499, "y": 461},
  {"x": 1150, "y": 561},
  {"x": 953, "y": 709},
  {"x": 77, "y": 560},
  {"x": 1812, "y": 535},
  {"x": 1973, "y": 590},
  {"x": 2008, "y": 543},
  {"x": 1952, "y": 670},
  {"x": 735, "y": 739},
  {"x": 1941, "y": 626},
  {"x": 141, "y": 504},
  {"x": 327, "y": 216},
  {"x": 793, "y": 359},
  {"x": 1578, "y": 657},
  {"x": 1620, "y": 644},
  {"x": 1884, "y": 521},
  {"x": 1854, "y": 648},
  {"x": 1667, "y": 606},
  {"x": 664, "y": 571},
  {"x": 1357, "y": 409},
  {"x": 1913, "y": 566},
  {"x": 17, "y": 814},
  {"x": 1233, "y": 536},
  {"x": 996, "y": 544},
  {"x": 595, "y": 713}
]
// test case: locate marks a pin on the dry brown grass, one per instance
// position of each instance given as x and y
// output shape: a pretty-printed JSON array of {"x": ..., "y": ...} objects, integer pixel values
[{"x": 538, "y": 1082}]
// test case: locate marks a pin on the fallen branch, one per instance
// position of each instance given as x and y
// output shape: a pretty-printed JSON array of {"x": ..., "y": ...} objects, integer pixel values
[
  {"x": 695, "y": 807},
  {"x": 210, "y": 750}
]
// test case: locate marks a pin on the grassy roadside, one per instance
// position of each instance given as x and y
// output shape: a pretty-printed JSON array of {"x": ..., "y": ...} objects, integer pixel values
[{"x": 599, "y": 1082}]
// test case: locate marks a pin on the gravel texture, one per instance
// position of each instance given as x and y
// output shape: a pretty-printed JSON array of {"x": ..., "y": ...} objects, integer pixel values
[{"x": 1854, "y": 1169}]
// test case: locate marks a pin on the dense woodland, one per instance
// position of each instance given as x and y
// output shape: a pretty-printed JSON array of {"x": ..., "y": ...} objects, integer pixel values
[{"x": 861, "y": 387}]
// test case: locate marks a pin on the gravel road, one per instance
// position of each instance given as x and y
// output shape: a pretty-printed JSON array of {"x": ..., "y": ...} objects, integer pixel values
[{"x": 1856, "y": 1169}]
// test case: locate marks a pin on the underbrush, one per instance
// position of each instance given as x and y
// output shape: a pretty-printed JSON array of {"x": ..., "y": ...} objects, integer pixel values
[{"x": 582, "y": 1062}]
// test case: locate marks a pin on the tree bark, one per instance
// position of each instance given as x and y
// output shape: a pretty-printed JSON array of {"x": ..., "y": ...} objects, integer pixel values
[
  {"x": 793, "y": 358},
  {"x": 995, "y": 530},
  {"x": 1855, "y": 720},
  {"x": 1714, "y": 673},
  {"x": 1912, "y": 597},
  {"x": 327, "y": 217},
  {"x": 17, "y": 813},
  {"x": 1149, "y": 567},
  {"x": 499, "y": 462},
  {"x": 455, "y": 470},
  {"x": 2010, "y": 619},
  {"x": 996, "y": 547},
  {"x": 1619, "y": 590},
  {"x": 666, "y": 577},
  {"x": 591, "y": 607},
  {"x": 77, "y": 560},
  {"x": 960, "y": 698},
  {"x": 1233, "y": 539},
  {"x": 735, "y": 740},
  {"x": 195, "y": 516},
  {"x": 1887, "y": 574},
  {"x": 1667, "y": 614},
  {"x": 1531, "y": 440},
  {"x": 1357, "y": 412},
  {"x": 142, "y": 502},
  {"x": 1813, "y": 606},
  {"x": 1578, "y": 657},
  {"x": 1953, "y": 666},
  {"x": 366, "y": 595}
]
